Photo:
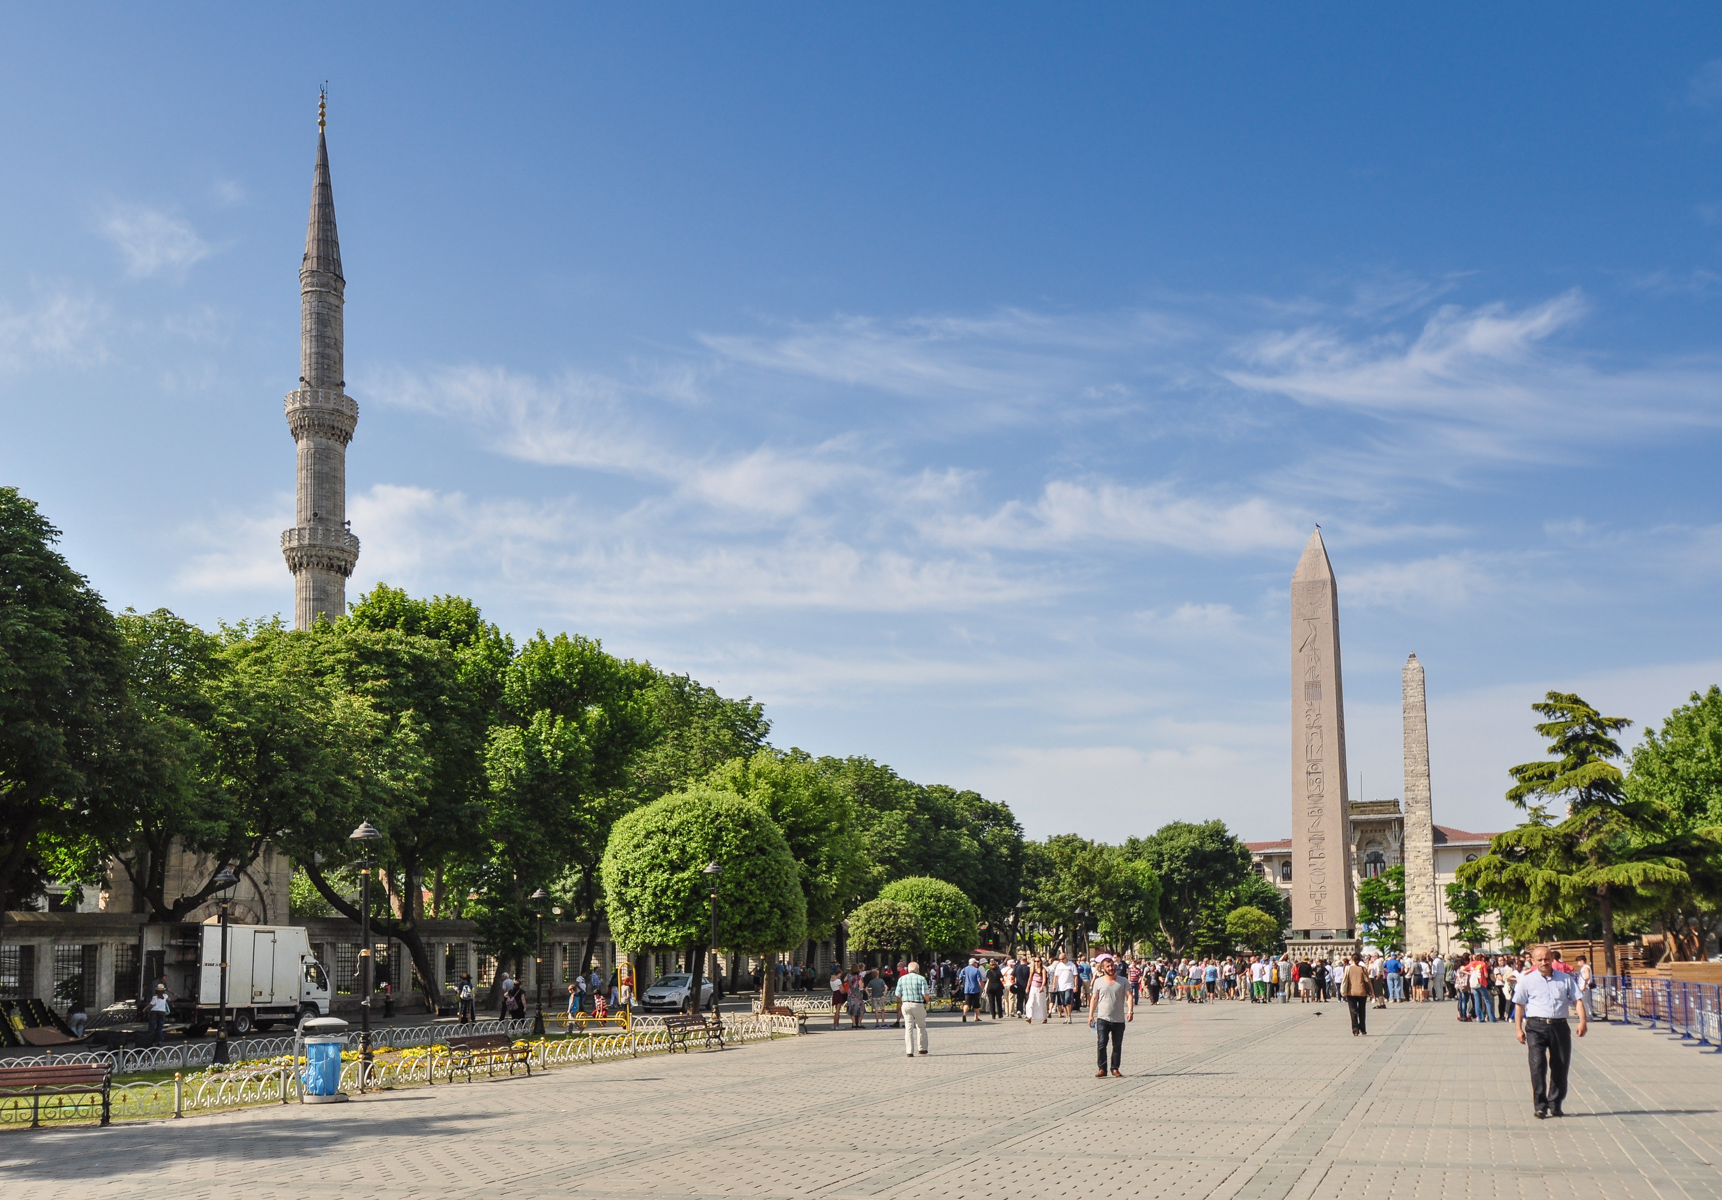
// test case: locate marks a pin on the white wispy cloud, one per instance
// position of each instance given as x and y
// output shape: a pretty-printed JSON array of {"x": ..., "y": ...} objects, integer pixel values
[
  {"x": 152, "y": 241},
  {"x": 1068, "y": 513},
  {"x": 59, "y": 328}
]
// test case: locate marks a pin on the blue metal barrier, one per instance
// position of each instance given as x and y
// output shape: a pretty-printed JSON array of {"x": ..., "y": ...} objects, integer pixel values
[{"x": 1692, "y": 1011}]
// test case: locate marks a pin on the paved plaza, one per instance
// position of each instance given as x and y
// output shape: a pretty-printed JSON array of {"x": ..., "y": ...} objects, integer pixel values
[{"x": 1221, "y": 1100}]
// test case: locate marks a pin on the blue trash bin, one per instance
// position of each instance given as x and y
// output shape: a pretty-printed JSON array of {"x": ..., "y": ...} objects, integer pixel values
[{"x": 322, "y": 1073}]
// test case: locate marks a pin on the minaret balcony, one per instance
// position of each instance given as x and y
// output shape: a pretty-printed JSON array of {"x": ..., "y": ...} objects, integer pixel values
[
  {"x": 319, "y": 547},
  {"x": 322, "y": 412}
]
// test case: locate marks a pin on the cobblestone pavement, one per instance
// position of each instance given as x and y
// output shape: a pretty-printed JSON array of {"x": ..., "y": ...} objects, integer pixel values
[{"x": 1222, "y": 1100}]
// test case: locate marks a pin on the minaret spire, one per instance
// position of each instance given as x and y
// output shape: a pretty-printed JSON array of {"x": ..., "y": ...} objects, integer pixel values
[{"x": 320, "y": 549}]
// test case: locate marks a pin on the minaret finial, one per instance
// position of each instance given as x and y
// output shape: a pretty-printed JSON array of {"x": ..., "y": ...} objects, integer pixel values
[{"x": 322, "y": 106}]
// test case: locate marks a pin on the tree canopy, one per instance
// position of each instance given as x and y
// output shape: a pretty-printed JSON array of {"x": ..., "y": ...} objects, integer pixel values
[{"x": 949, "y": 922}]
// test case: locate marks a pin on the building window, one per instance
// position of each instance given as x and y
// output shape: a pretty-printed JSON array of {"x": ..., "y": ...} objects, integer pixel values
[
  {"x": 1285, "y": 872},
  {"x": 74, "y": 968},
  {"x": 126, "y": 972},
  {"x": 17, "y": 972},
  {"x": 346, "y": 969},
  {"x": 1470, "y": 858},
  {"x": 1374, "y": 863}
]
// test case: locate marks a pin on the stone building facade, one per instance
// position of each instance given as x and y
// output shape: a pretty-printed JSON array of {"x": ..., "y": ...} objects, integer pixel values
[{"x": 1377, "y": 834}]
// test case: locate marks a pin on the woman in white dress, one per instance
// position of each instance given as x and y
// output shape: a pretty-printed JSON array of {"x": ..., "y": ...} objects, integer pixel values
[{"x": 1037, "y": 993}]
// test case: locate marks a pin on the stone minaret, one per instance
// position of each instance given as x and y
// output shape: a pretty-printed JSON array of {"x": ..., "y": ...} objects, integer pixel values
[
  {"x": 1322, "y": 903},
  {"x": 320, "y": 549},
  {"x": 1421, "y": 904}
]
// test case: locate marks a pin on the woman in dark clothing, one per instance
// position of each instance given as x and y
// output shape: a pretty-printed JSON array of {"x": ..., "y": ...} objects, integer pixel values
[{"x": 995, "y": 992}]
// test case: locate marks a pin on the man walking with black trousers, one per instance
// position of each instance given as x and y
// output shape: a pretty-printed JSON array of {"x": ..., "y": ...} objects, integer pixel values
[
  {"x": 1354, "y": 986},
  {"x": 1540, "y": 1004},
  {"x": 1110, "y": 1006}
]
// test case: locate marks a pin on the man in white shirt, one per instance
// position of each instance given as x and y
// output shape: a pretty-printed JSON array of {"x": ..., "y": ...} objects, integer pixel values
[
  {"x": 1064, "y": 985},
  {"x": 1541, "y": 1002}
]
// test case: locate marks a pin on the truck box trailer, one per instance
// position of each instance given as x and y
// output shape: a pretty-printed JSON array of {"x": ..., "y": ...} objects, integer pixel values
[{"x": 271, "y": 976}]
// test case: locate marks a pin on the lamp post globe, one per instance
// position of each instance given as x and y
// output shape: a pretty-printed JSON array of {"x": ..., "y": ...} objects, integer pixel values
[
  {"x": 538, "y": 900},
  {"x": 225, "y": 881},
  {"x": 364, "y": 836}
]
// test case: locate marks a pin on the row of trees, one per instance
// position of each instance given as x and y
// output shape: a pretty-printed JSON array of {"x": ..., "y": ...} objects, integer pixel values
[{"x": 492, "y": 769}]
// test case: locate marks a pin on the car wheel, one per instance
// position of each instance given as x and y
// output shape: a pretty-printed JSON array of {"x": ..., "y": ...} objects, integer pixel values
[
  {"x": 242, "y": 1022},
  {"x": 307, "y": 1011}
]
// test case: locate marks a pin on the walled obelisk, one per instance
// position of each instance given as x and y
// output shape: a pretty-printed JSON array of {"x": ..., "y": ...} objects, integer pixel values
[
  {"x": 1322, "y": 907},
  {"x": 1421, "y": 904}
]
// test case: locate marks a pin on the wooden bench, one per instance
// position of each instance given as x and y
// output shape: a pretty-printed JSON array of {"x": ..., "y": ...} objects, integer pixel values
[
  {"x": 69, "y": 1080},
  {"x": 682, "y": 1028},
  {"x": 465, "y": 1053},
  {"x": 783, "y": 1010}
]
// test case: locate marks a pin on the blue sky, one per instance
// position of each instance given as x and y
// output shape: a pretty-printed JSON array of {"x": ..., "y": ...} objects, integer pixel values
[{"x": 962, "y": 384}]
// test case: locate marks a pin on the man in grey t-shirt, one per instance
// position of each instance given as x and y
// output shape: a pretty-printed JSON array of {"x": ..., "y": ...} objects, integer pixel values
[{"x": 1110, "y": 1006}]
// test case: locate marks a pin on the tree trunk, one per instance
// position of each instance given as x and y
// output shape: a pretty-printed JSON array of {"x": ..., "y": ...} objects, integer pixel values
[
  {"x": 696, "y": 972},
  {"x": 403, "y": 931},
  {"x": 1605, "y": 905},
  {"x": 767, "y": 980},
  {"x": 437, "y": 894},
  {"x": 592, "y": 924}
]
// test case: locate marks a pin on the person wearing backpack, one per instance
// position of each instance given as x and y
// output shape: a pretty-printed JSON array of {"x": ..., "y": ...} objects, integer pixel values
[{"x": 465, "y": 994}]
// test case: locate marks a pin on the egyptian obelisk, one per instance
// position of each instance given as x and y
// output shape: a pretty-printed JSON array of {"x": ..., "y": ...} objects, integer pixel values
[
  {"x": 1421, "y": 906},
  {"x": 1322, "y": 905}
]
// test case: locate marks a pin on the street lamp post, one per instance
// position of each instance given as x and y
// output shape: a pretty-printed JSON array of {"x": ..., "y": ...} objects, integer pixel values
[
  {"x": 713, "y": 870},
  {"x": 538, "y": 898},
  {"x": 365, "y": 834},
  {"x": 1081, "y": 938},
  {"x": 225, "y": 882},
  {"x": 1020, "y": 929}
]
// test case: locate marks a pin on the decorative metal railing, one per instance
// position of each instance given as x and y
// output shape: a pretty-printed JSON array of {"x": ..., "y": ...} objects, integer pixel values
[
  {"x": 276, "y": 1080},
  {"x": 1691, "y": 1010},
  {"x": 192, "y": 1055}
]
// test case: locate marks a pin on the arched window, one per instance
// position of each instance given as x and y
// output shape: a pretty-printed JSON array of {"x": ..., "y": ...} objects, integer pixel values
[
  {"x": 1285, "y": 872},
  {"x": 1470, "y": 858},
  {"x": 1374, "y": 863}
]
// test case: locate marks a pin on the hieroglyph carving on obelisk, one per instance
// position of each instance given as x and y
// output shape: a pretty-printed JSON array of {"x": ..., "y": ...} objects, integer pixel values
[
  {"x": 1321, "y": 852},
  {"x": 1421, "y": 904}
]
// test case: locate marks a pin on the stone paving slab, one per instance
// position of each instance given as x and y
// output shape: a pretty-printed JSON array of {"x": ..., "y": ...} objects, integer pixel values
[{"x": 1220, "y": 1101}]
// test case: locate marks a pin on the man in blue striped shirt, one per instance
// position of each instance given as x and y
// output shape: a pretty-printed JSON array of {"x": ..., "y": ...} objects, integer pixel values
[{"x": 912, "y": 1003}]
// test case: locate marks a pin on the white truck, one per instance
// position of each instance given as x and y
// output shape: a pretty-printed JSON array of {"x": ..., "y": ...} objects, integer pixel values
[{"x": 271, "y": 976}]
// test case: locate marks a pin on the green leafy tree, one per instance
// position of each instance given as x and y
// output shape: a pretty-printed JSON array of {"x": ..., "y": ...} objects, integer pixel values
[
  {"x": 1253, "y": 929},
  {"x": 1609, "y": 845},
  {"x": 1196, "y": 863},
  {"x": 913, "y": 830},
  {"x": 691, "y": 732},
  {"x": 817, "y": 818},
  {"x": 1212, "y": 935},
  {"x": 1076, "y": 880},
  {"x": 949, "y": 922},
  {"x": 1679, "y": 770},
  {"x": 62, "y": 695},
  {"x": 885, "y": 925},
  {"x": 657, "y": 895},
  {"x": 1466, "y": 905},
  {"x": 1381, "y": 908}
]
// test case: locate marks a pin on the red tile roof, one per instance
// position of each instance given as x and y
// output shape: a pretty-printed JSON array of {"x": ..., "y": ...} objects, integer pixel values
[
  {"x": 1267, "y": 847},
  {"x": 1446, "y": 835}
]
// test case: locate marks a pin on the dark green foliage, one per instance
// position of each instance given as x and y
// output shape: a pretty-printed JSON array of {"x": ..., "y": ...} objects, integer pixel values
[
  {"x": 1609, "y": 845},
  {"x": 1679, "y": 769},
  {"x": 1118, "y": 894},
  {"x": 62, "y": 698},
  {"x": 1253, "y": 929},
  {"x": 1198, "y": 866},
  {"x": 949, "y": 922},
  {"x": 1381, "y": 909},
  {"x": 656, "y": 895},
  {"x": 888, "y": 925},
  {"x": 911, "y": 830},
  {"x": 818, "y": 821},
  {"x": 1468, "y": 911}
]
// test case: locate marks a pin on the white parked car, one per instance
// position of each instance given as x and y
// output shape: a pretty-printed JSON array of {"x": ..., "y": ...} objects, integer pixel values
[{"x": 670, "y": 994}]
